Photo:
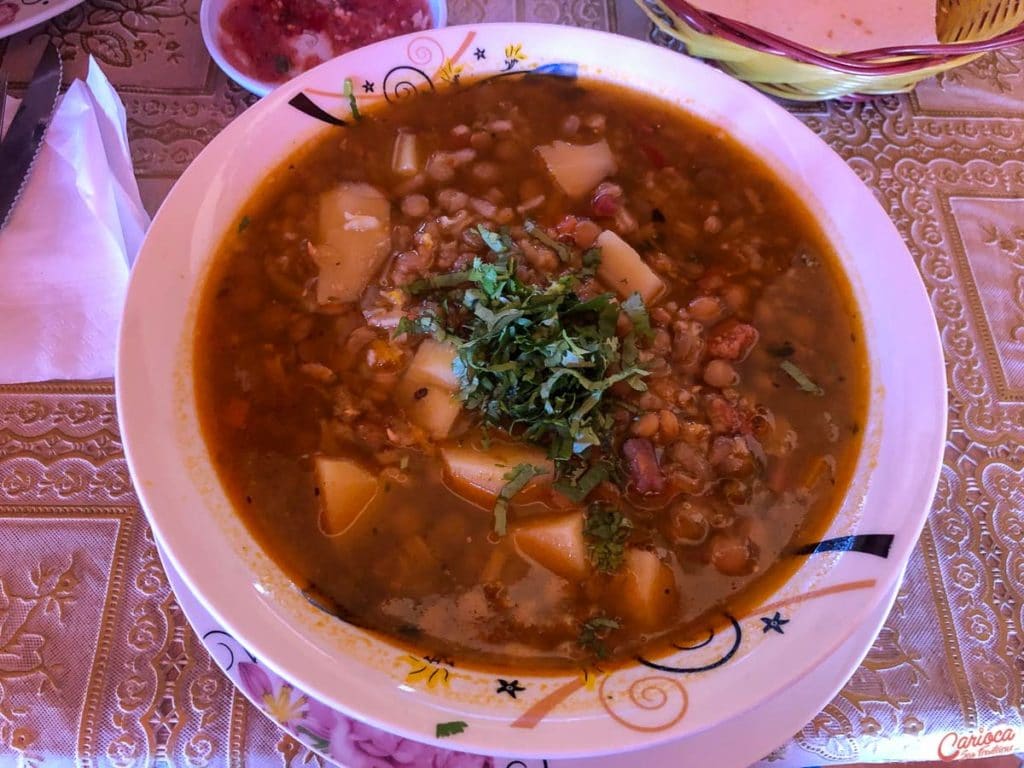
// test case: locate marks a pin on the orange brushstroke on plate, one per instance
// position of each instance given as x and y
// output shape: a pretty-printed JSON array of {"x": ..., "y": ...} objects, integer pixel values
[
  {"x": 847, "y": 586},
  {"x": 542, "y": 708},
  {"x": 650, "y": 694},
  {"x": 470, "y": 36}
]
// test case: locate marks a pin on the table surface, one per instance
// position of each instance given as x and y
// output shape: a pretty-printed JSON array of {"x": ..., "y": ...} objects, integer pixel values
[{"x": 96, "y": 659}]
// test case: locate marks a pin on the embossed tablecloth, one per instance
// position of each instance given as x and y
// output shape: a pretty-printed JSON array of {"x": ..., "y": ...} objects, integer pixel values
[{"x": 96, "y": 660}]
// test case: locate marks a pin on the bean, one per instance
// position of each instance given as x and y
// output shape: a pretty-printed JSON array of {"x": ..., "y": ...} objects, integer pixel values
[
  {"x": 735, "y": 296},
  {"x": 486, "y": 172},
  {"x": 505, "y": 216},
  {"x": 485, "y": 208},
  {"x": 452, "y": 200},
  {"x": 461, "y": 133},
  {"x": 668, "y": 424},
  {"x": 732, "y": 555},
  {"x": 586, "y": 233},
  {"x": 707, "y": 309},
  {"x": 719, "y": 373},
  {"x": 481, "y": 141},
  {"x": 686, "y": 524},
  {"x": 571, "y": 124},
  {"x": 646, "y": 426},
  {"x": 662, "y": 342},
  {"x": 661, "y": 316},
  {"x": 712, "y": 225},
  {"x": 415, "y": 206},
  {"x": 507, "y": 150}
]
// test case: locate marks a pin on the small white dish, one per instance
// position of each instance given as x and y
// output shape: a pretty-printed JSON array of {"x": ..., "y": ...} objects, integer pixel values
[{"x": 209, "y": 24}]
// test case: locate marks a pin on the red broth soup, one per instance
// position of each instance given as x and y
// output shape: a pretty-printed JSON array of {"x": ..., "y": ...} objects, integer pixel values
[{"x": 534, "y": 373}]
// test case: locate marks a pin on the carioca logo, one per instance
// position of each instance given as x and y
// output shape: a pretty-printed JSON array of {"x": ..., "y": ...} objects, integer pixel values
[{"x": 953, "y": 745}]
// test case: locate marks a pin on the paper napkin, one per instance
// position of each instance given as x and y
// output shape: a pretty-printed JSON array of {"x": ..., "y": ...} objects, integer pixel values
[{"x": 66, "y": 251}]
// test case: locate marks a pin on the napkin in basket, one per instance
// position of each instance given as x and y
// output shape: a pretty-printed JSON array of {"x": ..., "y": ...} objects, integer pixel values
[{"x": 66, "y": 251}]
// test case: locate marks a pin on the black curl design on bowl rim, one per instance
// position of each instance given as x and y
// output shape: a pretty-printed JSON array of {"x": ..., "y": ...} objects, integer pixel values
[
  {"x": 877, "y": 544},
  {"x": 228, "y": 647},
  {"x": 307, "y": 106},
  {"x": 737, "y": 631},
  {"x": 400, "y": 82}
]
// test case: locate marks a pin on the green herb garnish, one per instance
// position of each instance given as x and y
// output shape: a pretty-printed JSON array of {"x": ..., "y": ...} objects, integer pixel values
[
  {"x": 281, "y": 64},
  {"x": 801, "y": 378},
  {"x": 594, "y": 632},
  {"x": 423, "y": 325},
  {"x": 577, "y": 485},
  {"x": 497, "y": 242},
  {"x": 350, "y": 94},
  {"x": 537, "y": 233},
  {"x": 637, "y": 313},
  {"x": 536, "y": 359},
  {"x": 606, "y": 531},
  {"x": 453, "y": 728},
  {"x": 515, "y": 481},
  {"x": 243, "y": 224}
]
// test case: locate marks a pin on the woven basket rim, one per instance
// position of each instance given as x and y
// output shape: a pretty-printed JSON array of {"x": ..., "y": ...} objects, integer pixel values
[{"x": 879, "y": 61}]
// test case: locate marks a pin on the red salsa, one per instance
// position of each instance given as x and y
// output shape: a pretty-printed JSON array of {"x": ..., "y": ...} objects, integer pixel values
[{"x": 274, "y": 40}]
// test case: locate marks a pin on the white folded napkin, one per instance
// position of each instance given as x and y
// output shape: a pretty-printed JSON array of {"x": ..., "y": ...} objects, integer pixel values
[{"x": 66, "y": 251}]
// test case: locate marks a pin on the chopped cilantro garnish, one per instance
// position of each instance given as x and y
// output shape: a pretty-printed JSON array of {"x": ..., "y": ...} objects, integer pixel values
[
  {"x": 424, "y": 325},
  {"x": 243, "y": 224},
  {"x": 538, "y": 233},
  {"x": 606, "y": 531},
  {"x": 497, "y": 242},
  {"x": 577, "y": 485},
  {"x": 453, "y": 728},
  {"x": 637, "y": 313},
  {"x": 281, "y": 64},
  {"x": 515, "y": 481},
  {"x": 535, "y": 360},
  {"x": 594, "y": 632},
  {"x": 801, "y": 378}
]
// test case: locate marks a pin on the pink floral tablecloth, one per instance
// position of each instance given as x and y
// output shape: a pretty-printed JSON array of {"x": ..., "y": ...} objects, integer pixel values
[{"x": 97, "y": 663}]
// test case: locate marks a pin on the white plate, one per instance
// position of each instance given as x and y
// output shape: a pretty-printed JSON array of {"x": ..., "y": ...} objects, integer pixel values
[
  {"x": 18, "y": 15},
  {"x": 824, "y": 603},
  {"x": 209, "y": 25},
  {"x": 733, "y": 744}
]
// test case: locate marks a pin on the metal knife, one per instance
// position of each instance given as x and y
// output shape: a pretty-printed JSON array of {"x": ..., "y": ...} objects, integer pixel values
[{"x": 24, "y": 138}]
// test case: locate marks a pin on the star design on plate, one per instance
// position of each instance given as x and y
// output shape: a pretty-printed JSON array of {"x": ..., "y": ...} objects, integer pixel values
[
  {"x": 511, "y": 687},
  {"x": 367, "y": 87},
  {"x": 480, "y": 53},
  {"x": 775, "y": 623}
]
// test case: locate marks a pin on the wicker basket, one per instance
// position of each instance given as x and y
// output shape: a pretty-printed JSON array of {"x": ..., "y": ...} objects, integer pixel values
[{"x": 966, "y": 28}]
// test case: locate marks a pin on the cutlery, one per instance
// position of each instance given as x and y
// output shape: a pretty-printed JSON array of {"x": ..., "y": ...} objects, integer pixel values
[{"x": 20, "y": 146}]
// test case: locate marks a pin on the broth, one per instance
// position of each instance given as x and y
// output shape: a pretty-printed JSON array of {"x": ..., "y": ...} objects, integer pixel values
[{"x": 532, "y": 372}]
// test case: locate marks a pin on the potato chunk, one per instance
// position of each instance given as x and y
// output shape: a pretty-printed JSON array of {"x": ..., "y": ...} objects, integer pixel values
[
  {"x": 624, "y": 271},
  {"x": 578, "y": 168},
  {"x": 355, "y": 238},
  {"x": 427, "y": 389},
  {"x": 431, "y": 408},
  {"x": 479, "y": 475},
  {"x": 555, "y": 543},
  {"x": 433, "y": 365},
  {"x": 647, "y": 588},
  {"x": 346, "y": 490}
]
